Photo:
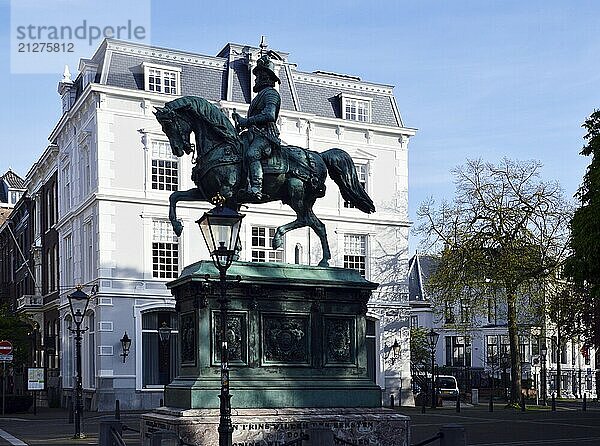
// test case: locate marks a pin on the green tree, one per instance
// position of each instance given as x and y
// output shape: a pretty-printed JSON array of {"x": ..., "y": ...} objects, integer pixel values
[
  {"x": 420, "y": 354},
  {"x": 18, "y": 330},
  {"x": 583, "y": 266},
  {"x": 506, "y": 229}
]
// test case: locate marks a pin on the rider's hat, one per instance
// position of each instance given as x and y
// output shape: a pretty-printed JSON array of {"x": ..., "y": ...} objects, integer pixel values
[{"x": 265, "y": 64}]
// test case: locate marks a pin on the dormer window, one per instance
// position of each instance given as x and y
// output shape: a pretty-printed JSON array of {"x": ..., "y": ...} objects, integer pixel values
[
  {"x": 162, "y": 79},
  {"x": 356, "y": 108}
]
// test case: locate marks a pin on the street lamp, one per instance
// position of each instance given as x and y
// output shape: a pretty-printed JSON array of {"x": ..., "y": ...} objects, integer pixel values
[
  {"x": 432, "y": 338},
  {"x": 164, "y": 332},
  {"x": 573, "y": 383},
  {"x": 125, "y": 346},
  {"x": 393, "y": 351},
  {"x": 221, "y": 231},
  {"x": 78, "y": 303},
  {"x": 544, "y": 352}
]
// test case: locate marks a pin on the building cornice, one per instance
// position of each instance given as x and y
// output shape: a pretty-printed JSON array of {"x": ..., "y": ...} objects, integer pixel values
[
  {"x": 341, "y": 82},
  {"x": 165, "y": 54}
]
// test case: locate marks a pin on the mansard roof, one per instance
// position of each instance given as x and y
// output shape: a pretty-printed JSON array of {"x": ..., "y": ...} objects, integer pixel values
[
  {"x": 420, "y": 269},
  {"x": 318, "y": 93}
]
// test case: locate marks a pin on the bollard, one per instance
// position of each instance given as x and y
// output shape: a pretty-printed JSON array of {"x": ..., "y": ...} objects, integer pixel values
[
  {"x": 458, "y": 403},
  {"x": 553, "y": 403},
  {"x": 453, "y": 435},
  {"x": 117, "y": 410},
  {"x": 584, "y": 405},
  {"x": 522, "y": 402},
  {"x": 71, "y": 414},
  {"x": 491, "y": 403},
  {"x": 106, "y": 435},
  {"x": 475, "y": 397},
  {"x": 423, "y": 398},
  {"x": 161, "y": 403},
  {"x": 392, "y": 401}
]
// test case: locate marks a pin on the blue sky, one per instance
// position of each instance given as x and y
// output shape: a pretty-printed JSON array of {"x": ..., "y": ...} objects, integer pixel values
[{"x": 476, "y": 78}]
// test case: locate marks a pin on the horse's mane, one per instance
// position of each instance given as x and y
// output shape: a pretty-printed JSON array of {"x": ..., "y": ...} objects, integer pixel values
[{"x": 213, "y": 116}]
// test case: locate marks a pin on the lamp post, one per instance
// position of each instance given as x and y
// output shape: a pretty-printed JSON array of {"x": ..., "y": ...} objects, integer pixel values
[
  {"x": 221, "y": 230},
  {"x": 432, "y": 338},
  {"x": 78, "y": 303},
  {"x": 573, "y": 382},
  {"x": 544, "y": 352}
]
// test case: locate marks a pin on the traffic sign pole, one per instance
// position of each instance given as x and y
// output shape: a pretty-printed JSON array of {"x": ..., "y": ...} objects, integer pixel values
[
  {"x": 3, "y": 386},
  {"x": 6, "y": 355}
]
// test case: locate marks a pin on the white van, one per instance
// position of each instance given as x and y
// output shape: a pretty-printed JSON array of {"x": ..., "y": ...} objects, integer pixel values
[{"x": 446, "y": 386}]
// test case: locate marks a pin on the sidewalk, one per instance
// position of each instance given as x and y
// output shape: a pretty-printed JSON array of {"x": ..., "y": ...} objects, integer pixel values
[
  {"x": 52, "y": 427},
  {"x": 537, "y": 426}
]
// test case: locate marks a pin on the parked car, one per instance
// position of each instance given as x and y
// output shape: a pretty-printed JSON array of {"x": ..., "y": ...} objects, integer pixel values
[{"x": 446, "y": 387}]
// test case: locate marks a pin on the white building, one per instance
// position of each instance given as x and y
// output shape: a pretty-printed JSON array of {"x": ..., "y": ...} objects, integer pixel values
[
  {"x": 474, "y": 347},
  {"x": 115, "y": 174}
]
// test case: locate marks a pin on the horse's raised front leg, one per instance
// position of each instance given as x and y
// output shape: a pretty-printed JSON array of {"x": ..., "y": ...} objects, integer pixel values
[
  {"x": 281, "y": 230},
  {"x": 182, "y": 195}
]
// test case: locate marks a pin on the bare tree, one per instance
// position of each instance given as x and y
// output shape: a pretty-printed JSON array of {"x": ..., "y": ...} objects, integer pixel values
[{"x": 504, "y": 227}]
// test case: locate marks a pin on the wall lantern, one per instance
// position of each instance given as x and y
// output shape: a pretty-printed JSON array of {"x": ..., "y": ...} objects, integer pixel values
[
  {"x": 393, "y": 352},
  {"x": 125, "y": 346},
  {"x": 164, "y": 332}
]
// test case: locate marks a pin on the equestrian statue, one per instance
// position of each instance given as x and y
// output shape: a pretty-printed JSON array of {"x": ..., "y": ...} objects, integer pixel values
[{"x": 248, "y": 163}]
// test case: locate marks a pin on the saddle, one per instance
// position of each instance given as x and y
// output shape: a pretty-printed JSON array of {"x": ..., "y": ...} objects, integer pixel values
[{"x": 276, "y": 164}]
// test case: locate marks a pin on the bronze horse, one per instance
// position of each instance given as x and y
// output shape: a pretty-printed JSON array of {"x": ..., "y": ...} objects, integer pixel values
[{"x": 294, "y": 175}]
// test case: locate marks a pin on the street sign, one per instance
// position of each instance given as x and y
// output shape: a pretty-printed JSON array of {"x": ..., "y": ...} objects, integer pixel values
[
  {"x": 6, "y": 358},
  {"x": 35, "y": 378},
  {"x": 5, "y": 348}
]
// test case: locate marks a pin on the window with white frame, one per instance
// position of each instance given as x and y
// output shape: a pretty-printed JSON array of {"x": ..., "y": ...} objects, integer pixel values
[
  {"x": 49, "y": 210},
  {"x": 55, "y": 201},
  {"x": 414, "y": 321},
  {"x": 67, "y": 361},
  {"x": 491, "y": 342},
  {"x": 91, "y": 360},
  {"x": 262, "y": 239},
  {"x": 86, "y": 180},
  {"x": 15, "y": 196},
  {"x": 52, "y": 268},
  {"x": 361, "y": 173},
  {"x": 356, "y": 108},
  {"x": 68, "y": 251},
  {"x": 165, "y": 250},
  {"x": 355, "y": 253},
  {"x": 66, "y": 176},
  {"x": 458, "y": 351},
  {"x": 161, "y": 79},
  {"x": 88, "y": 251},
  {"x": 165, "y": 167}
]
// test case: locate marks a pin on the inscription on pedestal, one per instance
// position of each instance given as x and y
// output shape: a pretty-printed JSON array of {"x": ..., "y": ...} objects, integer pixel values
[{"x": 285, "y": 339}]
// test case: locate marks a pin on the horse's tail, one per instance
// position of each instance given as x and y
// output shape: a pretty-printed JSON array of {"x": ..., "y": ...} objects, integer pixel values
[{"x": 342, "y": 170}]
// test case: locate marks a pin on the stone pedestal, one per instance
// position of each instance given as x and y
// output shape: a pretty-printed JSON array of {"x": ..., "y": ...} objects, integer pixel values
[
  {"x": 276, "y": 427},
  {"x": 296, "y": 337},
  {"x": 298, "y": 359}
]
